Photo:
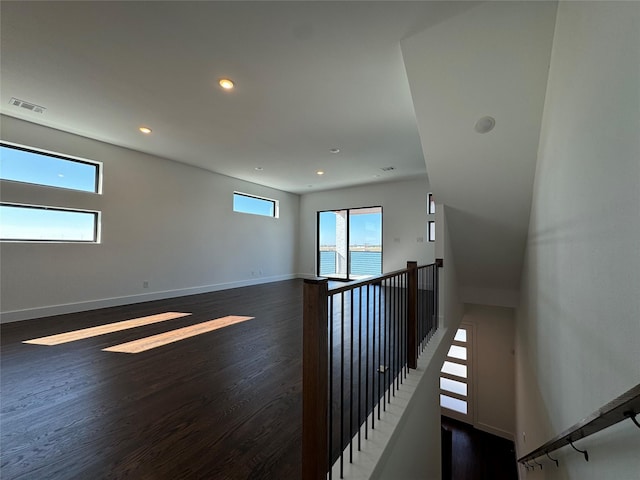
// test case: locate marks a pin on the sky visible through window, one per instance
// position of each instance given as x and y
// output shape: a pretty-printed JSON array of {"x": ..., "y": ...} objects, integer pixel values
[
  {"x": 46, "y": 223},
  {"x": 28, "y": 223},
  {"x": 257, "y": 206},
  {"x": 365, "y": 229},
  {"x": 31, "y": 167}
]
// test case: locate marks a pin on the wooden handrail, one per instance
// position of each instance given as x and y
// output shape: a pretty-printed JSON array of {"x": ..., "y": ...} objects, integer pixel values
[
  {"x": 377, "y": 279},
  {"x": 621, "y": 408}
]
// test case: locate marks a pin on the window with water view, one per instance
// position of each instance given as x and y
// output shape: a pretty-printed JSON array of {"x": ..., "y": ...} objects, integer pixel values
[{"x": 350, "y": 243}]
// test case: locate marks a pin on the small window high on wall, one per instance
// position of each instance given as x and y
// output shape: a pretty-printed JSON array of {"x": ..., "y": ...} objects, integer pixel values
[
  {"x": 245, "y": 203},
  {"x": 24, "y": 219},
  {"x": 36, "y": 223},
  {"x": 431, "y": 219},
  {"x": 39, "y": 167}
]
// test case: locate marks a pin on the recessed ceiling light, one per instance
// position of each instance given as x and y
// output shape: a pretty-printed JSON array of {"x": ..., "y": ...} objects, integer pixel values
[
  {"x": 259, "y": 169},
  {"x": 320, "y": 172},
  {"x": 334, "y": 150},
  {"x": 485, "y": 124},
  {"x": 226, "y": 83},
  {"x": 145, "y": 130}
]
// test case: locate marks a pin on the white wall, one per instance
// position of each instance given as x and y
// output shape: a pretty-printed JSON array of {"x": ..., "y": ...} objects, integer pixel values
[
  {"x": 404, "y": 221},
  {"x": 493, "y": 368},
  {"x": 163, "y": 222},
  {"x": 578, "y": 321}
]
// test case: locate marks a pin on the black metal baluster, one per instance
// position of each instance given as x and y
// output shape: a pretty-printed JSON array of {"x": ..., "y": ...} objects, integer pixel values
[
  {"x": 394, "y": 335},
  {"x": 428, "y": 307},
  {"x": 432, "y": 301},
  {"x": 385, "y": 348},
  {"x": 389, "y": 313},
  {"x": 435, "y": 296},
  {"x": 419, "y": 310},
  {"x": 352, "y": 292},
  {"x": 342, "y": 385},
  {"x": 380, "y": 346},
  {"x": 405, "y": 324},
  {"x": 425, "y": 320},
  {"x": 392, "y": 345},
  {"x": 401, "y": 316},
  {"x": 396, "y": 345},
  {"x": 374, "y": 368},
  {"x": 330, "y": 429},
  {"x": 366, "y": 369},
  {"x": 359, "y": 364},
  {"x": 425, "y": 307}
]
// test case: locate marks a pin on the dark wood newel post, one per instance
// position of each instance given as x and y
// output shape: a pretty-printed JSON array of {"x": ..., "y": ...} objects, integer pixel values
[
  {"x": 412, "y": 315},
  {"x": 315, "y": 374}
]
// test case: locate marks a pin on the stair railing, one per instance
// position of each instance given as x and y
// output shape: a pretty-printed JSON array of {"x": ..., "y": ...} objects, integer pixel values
[{"x": 359, "y": 342}]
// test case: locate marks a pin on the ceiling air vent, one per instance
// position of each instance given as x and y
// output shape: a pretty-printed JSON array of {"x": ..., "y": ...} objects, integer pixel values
[
  {"x": 32, "y": 107},
  {"x": 387, "y": 169}
]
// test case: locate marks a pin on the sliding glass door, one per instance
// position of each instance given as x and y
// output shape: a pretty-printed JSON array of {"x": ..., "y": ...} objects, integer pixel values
[{"x": 350, "y": 243}]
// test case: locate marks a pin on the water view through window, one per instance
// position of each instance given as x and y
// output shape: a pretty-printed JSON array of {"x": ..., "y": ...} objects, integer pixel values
[{"x": 350, "y": 243}]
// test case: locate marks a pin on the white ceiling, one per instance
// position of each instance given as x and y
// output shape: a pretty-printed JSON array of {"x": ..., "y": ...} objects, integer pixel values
[{"x": 310, "y": 76}]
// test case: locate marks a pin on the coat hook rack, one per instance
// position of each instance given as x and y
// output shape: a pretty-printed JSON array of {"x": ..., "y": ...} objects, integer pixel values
[
  {"x": 539, "y": 464},
  {"x": 632, "y": 416},
  {"x": 553, "y": 459},
  {"x": 584, "y": 452},
  {"x": 617, "y": 410},
  {"x": 526, "y": 465}
]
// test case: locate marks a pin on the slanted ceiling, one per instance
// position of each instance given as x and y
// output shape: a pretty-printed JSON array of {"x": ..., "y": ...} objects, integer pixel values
[{"x": 491, "y": 60}]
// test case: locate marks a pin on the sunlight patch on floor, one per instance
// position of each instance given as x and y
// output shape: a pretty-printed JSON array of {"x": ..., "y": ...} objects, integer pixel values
[
  {"x": 154, "y": 341},
  {"x": 104, "y": 329}
]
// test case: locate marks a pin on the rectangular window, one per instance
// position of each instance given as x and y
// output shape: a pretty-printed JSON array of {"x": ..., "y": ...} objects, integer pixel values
[
  {"x": 349, "y": 243},
  {"x": 456, "y": 369},
  {"x": 32, "y": 223},
  {"x": 456, "y": 390},
  {"x": 21, "y": 164},
  {"x": 431, "y": 204},
  {"x": 458, "y": 352},
  {"x": 244, "y": 203},
  {"x": 454, "y": 404},
  {"x": 453, "y": 386},
  {"x": 431, "y": 231}
]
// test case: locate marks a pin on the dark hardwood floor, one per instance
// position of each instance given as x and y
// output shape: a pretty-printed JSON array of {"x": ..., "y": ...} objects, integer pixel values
[
  {"x": 222, "y": 405},
  {"x": 477, "y": 455}
]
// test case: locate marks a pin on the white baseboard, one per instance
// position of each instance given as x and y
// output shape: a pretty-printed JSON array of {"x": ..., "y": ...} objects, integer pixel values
[{"x": 48, "y": 311}]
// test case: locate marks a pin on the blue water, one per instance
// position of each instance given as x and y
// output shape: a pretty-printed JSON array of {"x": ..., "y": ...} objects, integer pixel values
[{"x": 362, "y": 263}]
